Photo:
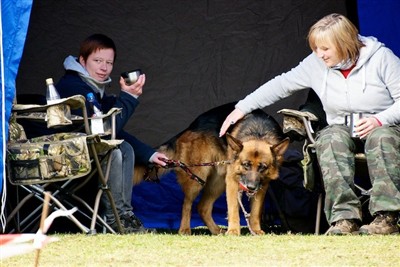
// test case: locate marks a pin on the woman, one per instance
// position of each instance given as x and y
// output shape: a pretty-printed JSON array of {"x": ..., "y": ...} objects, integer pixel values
[
  {"x": 350, "y": 74},
  {"x": 90, "y": 73}
]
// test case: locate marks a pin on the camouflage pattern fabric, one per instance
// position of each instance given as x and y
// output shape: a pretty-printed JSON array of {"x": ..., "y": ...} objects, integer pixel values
[
  {"x": 307, "y": 164},
  {"x": 50, "y": 157},
  {"x": 292, "y": 120},
  {"x": 43, "y": 116},
  {"x": 15, "y": 130},
  {"x": 335, "y": 152},
  {"x": 383, "y": 157},
  {"x": 58, "y": 115},
  {"x": 291, "y": 123},
  {"x": 102, "y": 146}
]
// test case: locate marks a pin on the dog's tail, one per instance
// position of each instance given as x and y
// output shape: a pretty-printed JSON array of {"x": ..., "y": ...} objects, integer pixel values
[{"x": 150, "y": 171}]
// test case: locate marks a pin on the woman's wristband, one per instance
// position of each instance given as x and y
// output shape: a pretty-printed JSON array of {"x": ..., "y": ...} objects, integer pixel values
[{"x": 379, "y": 122}]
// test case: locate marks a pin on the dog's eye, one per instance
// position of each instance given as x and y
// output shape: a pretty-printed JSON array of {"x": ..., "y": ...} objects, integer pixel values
[
  {"x": 246, "y": 165},
  {"x": 262, "y": 167}
]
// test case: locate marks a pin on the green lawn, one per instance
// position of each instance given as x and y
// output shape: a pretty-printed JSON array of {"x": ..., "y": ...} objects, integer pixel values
[{"x": 205, "y": 250}]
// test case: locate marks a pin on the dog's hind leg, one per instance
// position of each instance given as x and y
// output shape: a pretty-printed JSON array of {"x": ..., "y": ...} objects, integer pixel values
[
  {"x": 191, "y": 190},
  {"x": 213, "y": 189}
]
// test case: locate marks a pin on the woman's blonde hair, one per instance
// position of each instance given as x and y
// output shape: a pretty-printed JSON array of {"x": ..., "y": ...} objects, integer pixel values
[{"x": 339, "y": 31}]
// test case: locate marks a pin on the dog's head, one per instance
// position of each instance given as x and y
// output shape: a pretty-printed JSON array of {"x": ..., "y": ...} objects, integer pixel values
[{"x": 256, "y": 162}]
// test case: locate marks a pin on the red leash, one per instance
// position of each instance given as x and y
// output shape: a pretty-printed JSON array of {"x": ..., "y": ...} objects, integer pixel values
[{"x": 176, "y": 163}]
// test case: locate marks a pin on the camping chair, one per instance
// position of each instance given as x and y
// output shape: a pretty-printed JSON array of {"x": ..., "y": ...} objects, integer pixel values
[
  {"x": 62, "y": 162},
  {"x": 302, "y": 125}
]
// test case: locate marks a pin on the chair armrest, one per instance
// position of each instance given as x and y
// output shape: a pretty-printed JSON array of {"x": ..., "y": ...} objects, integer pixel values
[
  {"x": 109, "y": 122},
  {"x": 38, "y": 112},
  {"x": 299, "y": 114},
  {"x": 75, "y": 102},
  {"x": 41, "y": 116},
  {"x": 298, "y": 121}
]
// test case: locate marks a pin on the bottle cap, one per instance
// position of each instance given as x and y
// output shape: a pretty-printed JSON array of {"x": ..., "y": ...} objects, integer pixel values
[
  {"x": 90, "y": 96},
  {"x": 49, "y": 81}
]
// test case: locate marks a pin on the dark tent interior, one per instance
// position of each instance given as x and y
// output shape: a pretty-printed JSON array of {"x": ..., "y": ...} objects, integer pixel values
[{"x": 196, "y": 55}]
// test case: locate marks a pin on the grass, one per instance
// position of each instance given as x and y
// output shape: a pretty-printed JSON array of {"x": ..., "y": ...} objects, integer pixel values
[{"x": 166, "y": 249}]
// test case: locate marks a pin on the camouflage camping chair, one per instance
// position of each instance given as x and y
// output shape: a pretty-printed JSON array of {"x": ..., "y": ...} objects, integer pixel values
[
  {"x": 62, "y": 162},
  {"x": 302, "y": 125}
]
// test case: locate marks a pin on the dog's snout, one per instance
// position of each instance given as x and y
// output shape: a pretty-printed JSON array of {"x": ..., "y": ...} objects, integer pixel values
[
  {"x": 252, "y": 186},
  {"x": 250, "y": 181}
]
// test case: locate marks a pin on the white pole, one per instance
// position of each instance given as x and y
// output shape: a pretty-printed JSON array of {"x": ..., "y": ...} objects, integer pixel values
[{"x": 3, "y": 128}]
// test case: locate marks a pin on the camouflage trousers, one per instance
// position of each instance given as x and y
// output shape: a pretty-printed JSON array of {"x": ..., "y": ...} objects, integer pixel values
[{"x": 335, "y": 152}]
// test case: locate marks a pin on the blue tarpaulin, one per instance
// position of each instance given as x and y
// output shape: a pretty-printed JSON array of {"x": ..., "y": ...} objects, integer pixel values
[
  {"x": 379, "y": 18},
  {"x": 14, "y": 25}
]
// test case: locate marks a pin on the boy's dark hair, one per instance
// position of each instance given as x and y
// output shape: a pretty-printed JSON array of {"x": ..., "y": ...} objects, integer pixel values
[{"x": 95, "y": 42}]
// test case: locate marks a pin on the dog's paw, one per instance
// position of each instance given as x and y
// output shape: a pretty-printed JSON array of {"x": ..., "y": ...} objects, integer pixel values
[
  {"x": 185, "y": 231},
  {"x": 222, "y": 231},
  {"x": 217, "y": 231},
  {"x": 233, "y": 232},
  {"x": 259, "y": 232}
]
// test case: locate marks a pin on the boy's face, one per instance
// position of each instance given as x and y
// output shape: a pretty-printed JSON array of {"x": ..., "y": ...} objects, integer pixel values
[{"x": 99, "y": 64}]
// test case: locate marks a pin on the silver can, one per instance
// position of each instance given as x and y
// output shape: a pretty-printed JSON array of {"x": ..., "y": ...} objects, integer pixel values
[
  {"x": 352, "y": 119},
  {"x": 132, "y": 76}
]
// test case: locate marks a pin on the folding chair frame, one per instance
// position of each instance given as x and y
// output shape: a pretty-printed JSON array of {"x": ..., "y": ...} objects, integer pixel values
[
  {"x": 66, "y": 194},
  {"x": 307, "y": 118}
]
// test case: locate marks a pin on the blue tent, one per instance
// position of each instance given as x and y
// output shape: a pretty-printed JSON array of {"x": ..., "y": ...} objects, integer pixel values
[
  {"x": 14, "y": 21},
  {"x": 379, "y": 18}
]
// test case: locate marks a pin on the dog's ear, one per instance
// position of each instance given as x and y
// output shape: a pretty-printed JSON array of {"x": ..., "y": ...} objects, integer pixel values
[
  {"x": 280, "y": 148},
  {"x": 234, "y": 143}
]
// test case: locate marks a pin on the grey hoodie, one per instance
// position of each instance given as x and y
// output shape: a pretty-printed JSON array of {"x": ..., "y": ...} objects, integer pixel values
[
  {"x": 71, "y": 63},
  {"x": 372, "y": 86}
]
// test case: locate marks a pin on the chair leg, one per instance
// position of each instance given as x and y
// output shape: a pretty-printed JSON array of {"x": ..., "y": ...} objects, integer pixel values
[
  {"x": 318, "y": 215},
  {"x": 61, "y": 206},
  {"x": 71, "y": 217},
  {"x": 16, "y": 213},
  {"x": 38, "y": 192},
  {"x": 94, "y": 217},
  {"x": 103, "y": 177}
]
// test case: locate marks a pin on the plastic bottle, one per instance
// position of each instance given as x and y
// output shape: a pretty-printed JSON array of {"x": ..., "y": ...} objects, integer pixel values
[
  {"x": 94, "y": 104},
  {"x": 52, "y": 95}
]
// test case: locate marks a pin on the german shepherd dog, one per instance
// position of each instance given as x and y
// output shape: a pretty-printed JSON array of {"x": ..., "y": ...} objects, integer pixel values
[{"x": 254, "y": 146}]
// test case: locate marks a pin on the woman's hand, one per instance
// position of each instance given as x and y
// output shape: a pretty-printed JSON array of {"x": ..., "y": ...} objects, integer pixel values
[
  {"x": 232, "y": 118},
  {"x": 158, "y": 158},
  {"x": 365, "y": 125},
  {"x": 135, "y": 89}
]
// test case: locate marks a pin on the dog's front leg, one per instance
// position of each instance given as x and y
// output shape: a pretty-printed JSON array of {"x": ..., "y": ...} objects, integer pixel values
[
  {"x": 257, "y": 204},
  {"x": 232, "y": 188}
]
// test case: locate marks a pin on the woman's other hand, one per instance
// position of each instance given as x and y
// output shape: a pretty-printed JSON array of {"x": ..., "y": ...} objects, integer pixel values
[
  {"x": 365, "y": 125},
  {"x": 158, "y": 158},
  {"x": 135, "y": 89}
]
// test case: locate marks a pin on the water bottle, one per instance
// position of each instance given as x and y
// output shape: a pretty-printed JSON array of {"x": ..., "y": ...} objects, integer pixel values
[
  {"x": 52, "y": 95},
  {"x": 94, "y": 104}
]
